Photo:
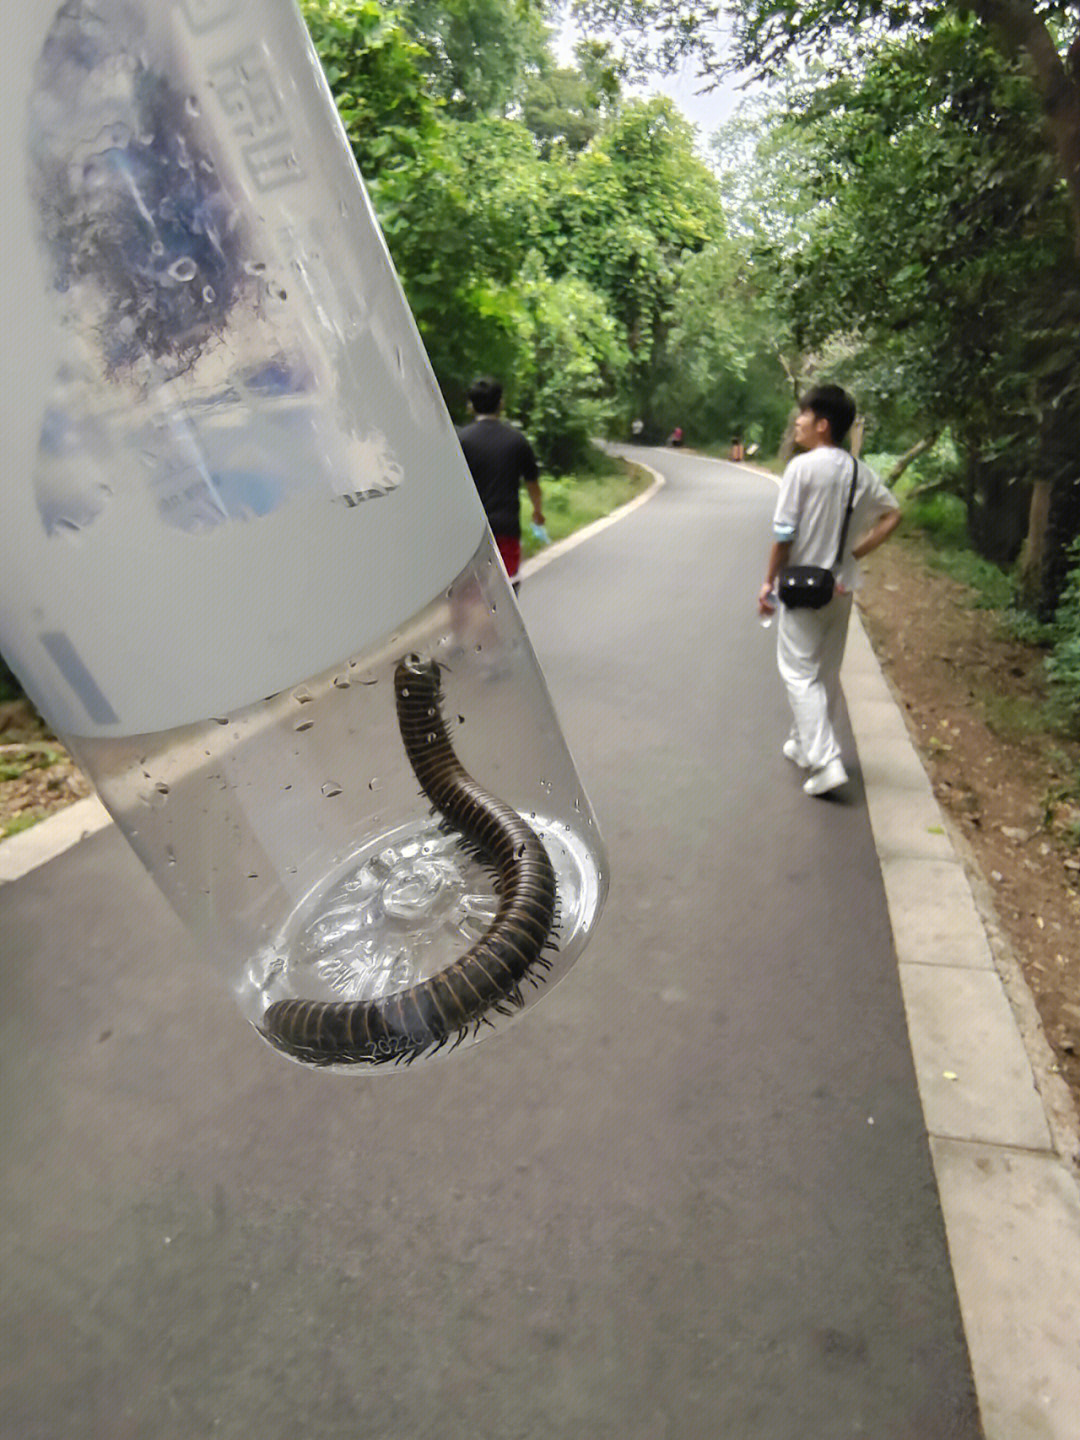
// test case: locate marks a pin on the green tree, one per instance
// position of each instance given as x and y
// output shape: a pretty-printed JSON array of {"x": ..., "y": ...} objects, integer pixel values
[
  {"x": 1045, "y": 33},
  {"x": 571, "y": 367},
  {"x": 938, "y": 239},
  {"x": 374, "y": 70},
  {"x": 560, "y": 107},
  {"x": 476, "y": 52},
  {"x": 625, "y": 216},
  {"x": 723, "y": 370}
]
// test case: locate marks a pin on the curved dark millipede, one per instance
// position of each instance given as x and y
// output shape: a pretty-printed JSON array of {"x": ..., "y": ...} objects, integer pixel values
[{"x": 405, "y": 1025}]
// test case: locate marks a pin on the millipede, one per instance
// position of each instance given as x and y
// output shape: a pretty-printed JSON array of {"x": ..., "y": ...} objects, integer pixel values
[{"x": 430, "y": 1014}]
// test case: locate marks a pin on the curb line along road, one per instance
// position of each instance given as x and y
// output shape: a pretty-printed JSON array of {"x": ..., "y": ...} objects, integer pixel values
[{"x": 1002, "y": 1128}]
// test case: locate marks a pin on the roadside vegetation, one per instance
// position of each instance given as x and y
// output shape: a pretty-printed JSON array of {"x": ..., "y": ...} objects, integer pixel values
[{"x": 574, "y": 501}]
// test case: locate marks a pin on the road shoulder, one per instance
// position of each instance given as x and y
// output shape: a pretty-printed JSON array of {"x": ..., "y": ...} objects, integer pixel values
[{"x": 1001, "y": 1124}]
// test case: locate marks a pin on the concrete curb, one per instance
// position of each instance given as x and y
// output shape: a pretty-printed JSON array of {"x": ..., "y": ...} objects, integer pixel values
[
  {"x": 19, "y": 854},
  {"x": 1003, "y": 1131}
]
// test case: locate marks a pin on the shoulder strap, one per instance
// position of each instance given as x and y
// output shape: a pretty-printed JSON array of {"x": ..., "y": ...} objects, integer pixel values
[{"x": 847, "y": 512}]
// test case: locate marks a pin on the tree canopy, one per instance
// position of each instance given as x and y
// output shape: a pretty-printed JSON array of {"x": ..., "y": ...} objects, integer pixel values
[{"x": 896, "y": 211}]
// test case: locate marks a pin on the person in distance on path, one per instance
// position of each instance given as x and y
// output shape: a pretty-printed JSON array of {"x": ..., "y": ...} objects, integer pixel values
[
  {"x": 500, "y": 460},
  {"x": 806, "y": 531}
]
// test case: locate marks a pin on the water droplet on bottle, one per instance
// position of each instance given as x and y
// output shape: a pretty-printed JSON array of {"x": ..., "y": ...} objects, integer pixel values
[
  {"x": 304, "y": 725},
  {"x": 191, "y": 105},
  {"x": 341, "y": 682},
  {"x": 208, "y": 294},
  {"x": 219, "y": 719},
  {"x": 303, "y": 695},
  {"x": 161, "y": 788},
  {"x": 183, "y": 269},
  {"x": 170, "y": 855},
  {"x": 279, "y": 292},
  {"x": 330, "y": 789},
  {"x": 374, "y": 783}
]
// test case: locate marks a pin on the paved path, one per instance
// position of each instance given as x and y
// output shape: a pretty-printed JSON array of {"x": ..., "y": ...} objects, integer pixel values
[{"x": 690, "y": 1195}]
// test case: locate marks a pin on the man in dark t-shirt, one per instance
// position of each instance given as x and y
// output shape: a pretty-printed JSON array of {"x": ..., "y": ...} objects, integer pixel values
[{"x": 500, "y": 459}]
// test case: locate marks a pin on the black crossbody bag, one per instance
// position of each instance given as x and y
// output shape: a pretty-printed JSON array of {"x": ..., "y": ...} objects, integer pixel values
[{"x": 810, "y": 587}]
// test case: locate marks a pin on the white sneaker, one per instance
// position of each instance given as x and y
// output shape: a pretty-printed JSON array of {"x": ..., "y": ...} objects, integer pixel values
[
  {"x": 829, "y": 777},
  {"x": 793, "y": 752}
]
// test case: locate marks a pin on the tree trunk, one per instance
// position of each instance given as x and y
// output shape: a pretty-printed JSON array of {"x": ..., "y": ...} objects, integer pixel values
[
  {"x": 919, "y": 448},
  {"x": 1033, "y": 554},
  {"x": 1057, "y": 81}
]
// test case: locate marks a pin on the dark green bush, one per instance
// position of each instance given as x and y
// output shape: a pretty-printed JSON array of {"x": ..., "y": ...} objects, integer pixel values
[
  {"x": 10, "y": 689},
  {"x": 1063, "y": 663}
]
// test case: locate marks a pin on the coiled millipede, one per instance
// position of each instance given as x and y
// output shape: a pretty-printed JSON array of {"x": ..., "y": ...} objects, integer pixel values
[{"x": 488, "y": 977}]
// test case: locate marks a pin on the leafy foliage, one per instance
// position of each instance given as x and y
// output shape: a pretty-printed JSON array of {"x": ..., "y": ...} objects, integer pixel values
[
  {"x": 547, "y": 246},
  {"x": 1063, "y": 665}
]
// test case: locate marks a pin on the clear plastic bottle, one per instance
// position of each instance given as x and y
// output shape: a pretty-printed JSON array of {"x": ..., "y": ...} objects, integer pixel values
[{"x": 242, "y": 516}]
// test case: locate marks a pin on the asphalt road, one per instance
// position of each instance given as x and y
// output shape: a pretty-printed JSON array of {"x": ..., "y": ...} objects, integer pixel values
[{"x": 689, "y": 1195}]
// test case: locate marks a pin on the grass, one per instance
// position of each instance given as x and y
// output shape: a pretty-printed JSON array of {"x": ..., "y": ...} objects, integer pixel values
[
  {"x": 941, "y": 521},
  {"x": 30, "y": 758},
  {"x": 573, "y": 501},
  {"x": 18, "y": 823},
  {"x": 1015, "y": 717}
]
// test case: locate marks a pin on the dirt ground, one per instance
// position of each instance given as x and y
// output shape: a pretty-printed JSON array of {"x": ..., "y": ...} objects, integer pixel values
[
  {"x": 971, "y": 697},
  {"x": 37, "y": 777}
]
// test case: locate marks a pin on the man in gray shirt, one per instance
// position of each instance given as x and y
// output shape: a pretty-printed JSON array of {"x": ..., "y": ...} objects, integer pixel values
[{"x": 806, "y": 531}]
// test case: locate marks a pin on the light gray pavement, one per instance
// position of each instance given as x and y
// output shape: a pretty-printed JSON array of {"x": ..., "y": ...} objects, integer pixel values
[{"x": 692, "y": 1194}]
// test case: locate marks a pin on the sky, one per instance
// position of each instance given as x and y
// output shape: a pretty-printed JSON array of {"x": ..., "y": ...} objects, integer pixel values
[{"x": 707, "y": 111}]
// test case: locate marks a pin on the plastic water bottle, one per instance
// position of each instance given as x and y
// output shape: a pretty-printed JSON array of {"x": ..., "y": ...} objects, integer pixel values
[{"x": 236, "y": 514}]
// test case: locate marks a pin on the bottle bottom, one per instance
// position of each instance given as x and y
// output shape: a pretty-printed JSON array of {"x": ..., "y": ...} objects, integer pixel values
[{"x": 406, "y": 908}]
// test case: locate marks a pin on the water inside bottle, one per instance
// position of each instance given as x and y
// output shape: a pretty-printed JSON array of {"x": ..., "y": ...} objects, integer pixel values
[{"x": 294, "y": 830}]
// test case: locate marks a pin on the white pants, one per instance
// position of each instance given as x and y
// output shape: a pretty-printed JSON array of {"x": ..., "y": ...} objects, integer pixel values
[{"x": 809, "y": 649}]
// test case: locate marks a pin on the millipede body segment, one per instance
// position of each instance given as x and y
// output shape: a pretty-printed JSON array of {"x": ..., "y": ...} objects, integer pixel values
[{"x": 488, "y": 977}]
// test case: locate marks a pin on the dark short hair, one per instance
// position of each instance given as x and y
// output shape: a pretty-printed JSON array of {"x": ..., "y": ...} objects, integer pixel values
[
  {"x": 829, "y": 402},
  {"x": 485, "y": 395}
]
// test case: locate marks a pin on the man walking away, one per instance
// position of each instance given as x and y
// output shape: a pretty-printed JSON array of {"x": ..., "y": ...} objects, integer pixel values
[
  {"x": 806, "y": 531},
  {"x": 500, "y": 459}
]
